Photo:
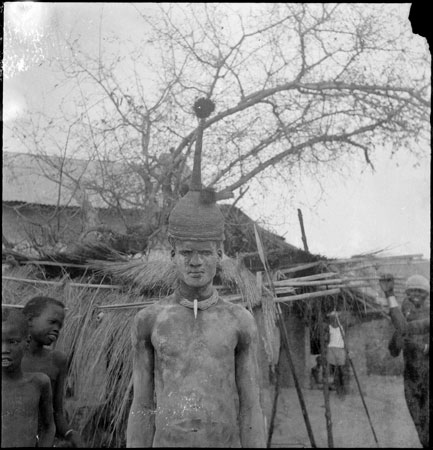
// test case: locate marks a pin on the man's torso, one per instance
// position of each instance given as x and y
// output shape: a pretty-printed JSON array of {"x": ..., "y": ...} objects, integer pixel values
[{"x": 196, "y": 394}]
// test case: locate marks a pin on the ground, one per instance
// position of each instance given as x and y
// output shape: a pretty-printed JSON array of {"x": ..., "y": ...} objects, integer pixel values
[{"x": 350, "y": 426}]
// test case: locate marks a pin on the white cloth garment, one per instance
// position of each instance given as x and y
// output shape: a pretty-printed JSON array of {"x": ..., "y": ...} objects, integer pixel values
[{"x": 335, "y": 337}]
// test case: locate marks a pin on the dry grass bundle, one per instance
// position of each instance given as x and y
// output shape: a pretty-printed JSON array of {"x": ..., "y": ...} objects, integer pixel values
[
  {"x": 234, "y": 274},
  {"x": 101, "y": 367},
  {"x": 157, "y": 276},
  {"x": 81, "y": 252},
  {"x": 17, "y": 293}
]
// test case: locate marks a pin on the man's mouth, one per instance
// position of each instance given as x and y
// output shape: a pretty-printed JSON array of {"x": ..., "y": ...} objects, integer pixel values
[
  {"x": 195, "y": 274},
  {"x": 6, "y": 362},
  {"x": 52, "y": 336}
]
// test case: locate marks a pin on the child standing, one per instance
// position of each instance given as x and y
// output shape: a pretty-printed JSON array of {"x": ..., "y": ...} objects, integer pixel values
[
  {"x": 45, "y": 317},
  {"x": 26, "y": 397}
]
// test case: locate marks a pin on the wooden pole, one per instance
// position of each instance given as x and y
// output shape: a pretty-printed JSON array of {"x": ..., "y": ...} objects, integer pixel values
[
  {"x": 357, "y": 381},
  {"x": 285, "y": 337},
  {"x": 304, "y": 237},
  {"x": 325, "y": 371},
  {"x": 275, "y": 402}
]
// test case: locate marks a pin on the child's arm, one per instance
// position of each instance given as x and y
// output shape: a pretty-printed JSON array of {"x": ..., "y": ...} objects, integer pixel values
[
  {"x": 46, "y": 419},
  {"x": 62, "y": 428}
]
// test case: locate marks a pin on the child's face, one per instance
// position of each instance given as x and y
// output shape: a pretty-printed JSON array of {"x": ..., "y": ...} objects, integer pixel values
[
  {"x": 14, "y": 344},
  {"x": 46, "y": 327}
]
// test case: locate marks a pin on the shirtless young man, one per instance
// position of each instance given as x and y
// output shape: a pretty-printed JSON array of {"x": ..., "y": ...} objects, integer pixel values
[
  {"x": 26, "y": 397},
  {"x": 195, "y": 372}
]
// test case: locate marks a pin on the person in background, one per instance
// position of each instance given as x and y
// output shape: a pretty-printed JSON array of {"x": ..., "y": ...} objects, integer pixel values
[
  {"x": 412, "y": 335},
  {"x": 336, "y": 353},
  {"x": 45, "y": 317},
  {"x": 26, "y": 397}
]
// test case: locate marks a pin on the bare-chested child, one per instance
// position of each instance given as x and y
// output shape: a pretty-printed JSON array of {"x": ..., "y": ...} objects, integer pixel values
[
  {"x": 26, "y": 397},
  {"x": 45, "y": 317}
]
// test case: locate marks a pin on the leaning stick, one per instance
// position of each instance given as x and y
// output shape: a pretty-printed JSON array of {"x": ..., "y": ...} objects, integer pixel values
[
  {"x": 275, "y": 402},
  {"x": 357, "y": 381},
  {"x": 284, "y": 335},
  {"x": 325, "y": 371}
]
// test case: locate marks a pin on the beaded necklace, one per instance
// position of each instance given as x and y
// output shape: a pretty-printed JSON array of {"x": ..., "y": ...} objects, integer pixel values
[{"x": 202, "y": 305}]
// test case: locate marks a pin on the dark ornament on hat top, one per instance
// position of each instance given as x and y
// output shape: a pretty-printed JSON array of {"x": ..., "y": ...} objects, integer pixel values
[{"x": 203, "y": 108}]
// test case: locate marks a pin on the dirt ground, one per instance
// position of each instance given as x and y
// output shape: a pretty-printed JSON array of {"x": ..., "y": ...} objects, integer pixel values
[{"x": 350, "y": 426}]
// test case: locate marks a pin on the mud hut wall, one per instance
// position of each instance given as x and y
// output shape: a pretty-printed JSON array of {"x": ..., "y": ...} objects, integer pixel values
[
  {"x": 368, "y": 345},
  {"x": 376, "y": 335}
]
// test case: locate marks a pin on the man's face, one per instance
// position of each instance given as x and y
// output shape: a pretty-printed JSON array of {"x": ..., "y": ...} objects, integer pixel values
[
  {"x": 13, "y": 346},
  {"x": 196, "y": 262},
  {"x": 46, "y": 327},
  {"x": 417, "y": 296}
]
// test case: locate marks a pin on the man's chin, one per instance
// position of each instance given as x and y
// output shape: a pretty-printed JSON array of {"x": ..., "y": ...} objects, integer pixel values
[{"x": 196, "y": 282}]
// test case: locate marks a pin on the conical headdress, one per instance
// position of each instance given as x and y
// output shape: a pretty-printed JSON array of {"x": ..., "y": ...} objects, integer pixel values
[{"x": 196, "y": 215}]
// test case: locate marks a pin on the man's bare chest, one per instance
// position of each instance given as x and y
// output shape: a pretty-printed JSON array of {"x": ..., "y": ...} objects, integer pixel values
[{"x": 179, "y": 333}]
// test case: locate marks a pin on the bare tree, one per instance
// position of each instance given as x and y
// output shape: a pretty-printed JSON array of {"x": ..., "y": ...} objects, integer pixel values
[{"x": 295, "y": 86}]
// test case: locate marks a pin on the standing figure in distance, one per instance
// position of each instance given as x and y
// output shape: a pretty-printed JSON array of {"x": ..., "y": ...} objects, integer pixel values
[
  {"x": 412, "y": 334},
  {"x": 336, "y": 353},
  {"x": 45, "y": 316},
  {"x": 195, "y": 373},
  {"x": 26, "y": 397}
]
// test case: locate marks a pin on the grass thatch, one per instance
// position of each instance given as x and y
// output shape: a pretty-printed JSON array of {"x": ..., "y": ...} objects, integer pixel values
[{"x": 158, "y": 276}]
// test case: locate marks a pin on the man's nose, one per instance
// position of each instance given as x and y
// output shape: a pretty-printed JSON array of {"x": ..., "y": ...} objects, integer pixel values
[
  {"x": 196, "y": 259},
  {"x": 5, "y": 348}
]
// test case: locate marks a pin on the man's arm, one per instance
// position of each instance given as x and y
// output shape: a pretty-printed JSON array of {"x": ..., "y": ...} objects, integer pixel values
[
  {"x": 395, "y": 344},
  {"x": 46, "y": 417},
  {"x": 141, "y": 421},
  {"x": 386, "y": 282},
  {"x": 251, "y": 421}
]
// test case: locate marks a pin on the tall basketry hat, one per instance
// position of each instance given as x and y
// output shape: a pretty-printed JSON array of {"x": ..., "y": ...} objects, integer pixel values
[{"x": 196, "y": 215}]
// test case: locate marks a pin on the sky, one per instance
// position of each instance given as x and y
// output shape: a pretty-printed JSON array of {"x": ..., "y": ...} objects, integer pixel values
[{"x": 361, "y": 212}]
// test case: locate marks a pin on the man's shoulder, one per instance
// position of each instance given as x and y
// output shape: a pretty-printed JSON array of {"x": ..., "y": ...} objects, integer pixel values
[
  {"x": 156, "y": 308},
  {"x": 40, "y": 379},
  {"x": 239, "y": 311}
]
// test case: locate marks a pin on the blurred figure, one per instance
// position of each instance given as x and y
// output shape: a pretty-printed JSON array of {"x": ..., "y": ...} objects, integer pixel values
[
  {"x": 316, "y": 376},
  {"x": 412, "y": 334}
]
